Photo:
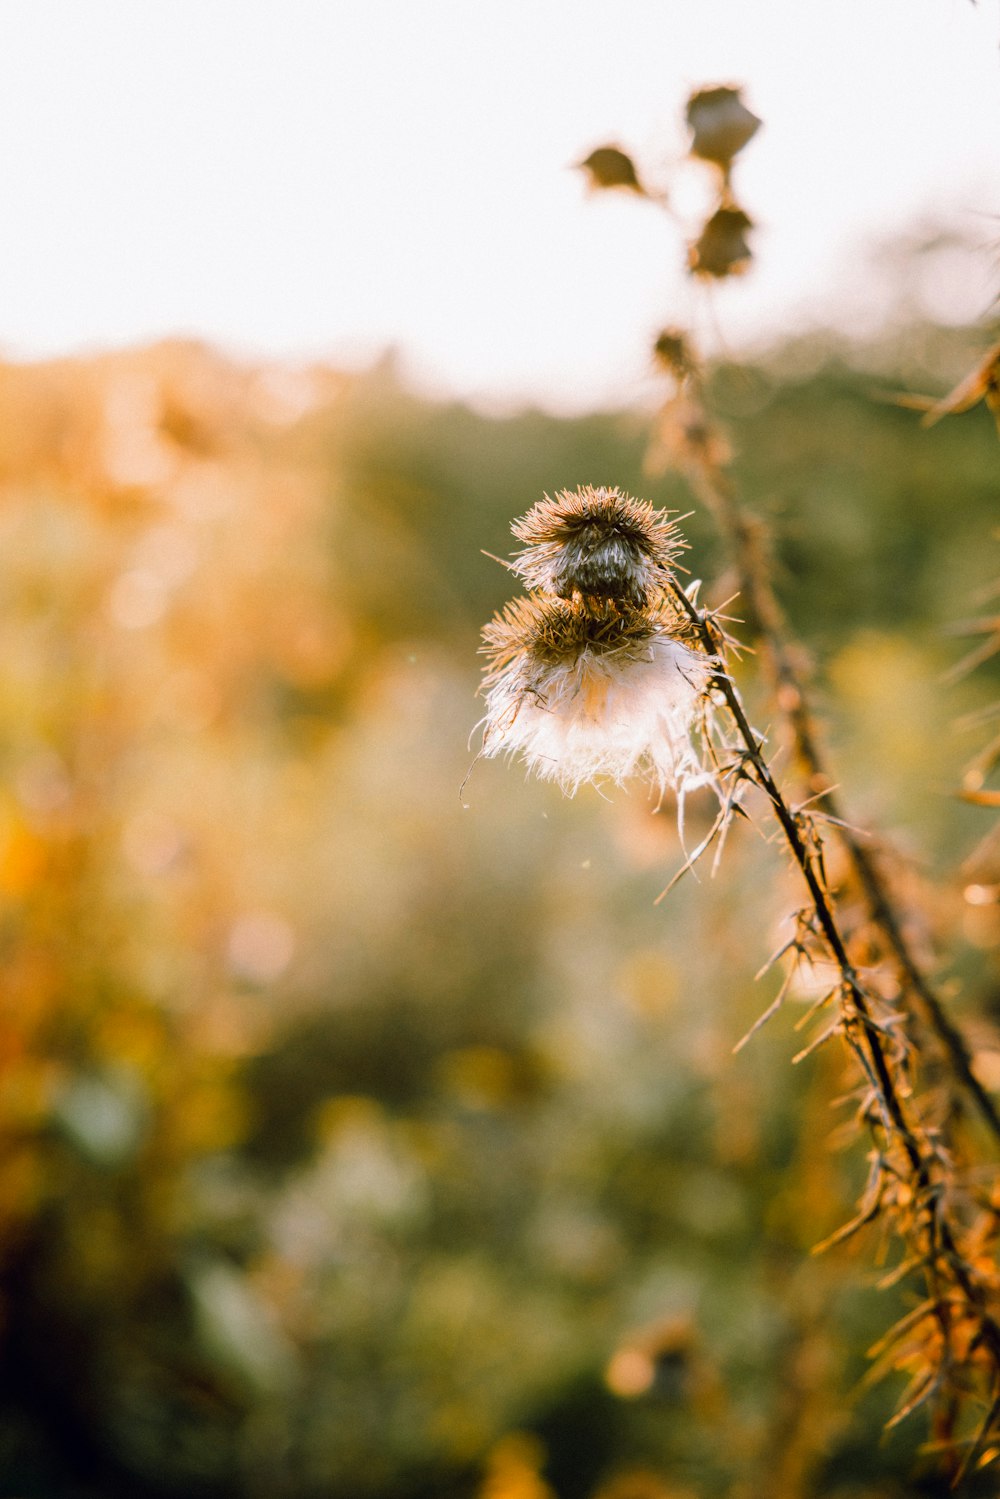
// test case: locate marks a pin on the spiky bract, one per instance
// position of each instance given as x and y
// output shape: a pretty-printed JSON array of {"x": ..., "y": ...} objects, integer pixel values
[{"x": 598, "y": 543}]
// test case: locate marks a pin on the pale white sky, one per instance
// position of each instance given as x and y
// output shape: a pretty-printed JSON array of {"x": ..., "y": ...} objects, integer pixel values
[{"x": 327, "y": 177}]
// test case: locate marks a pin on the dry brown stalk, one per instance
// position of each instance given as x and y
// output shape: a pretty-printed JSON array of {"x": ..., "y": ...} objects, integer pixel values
[
  {"x": 747, "y": 541},
  {"x": 954, "y": 1334}
]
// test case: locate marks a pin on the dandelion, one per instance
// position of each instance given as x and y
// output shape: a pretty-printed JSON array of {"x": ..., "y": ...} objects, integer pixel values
[{"x": 596, "y": 675}]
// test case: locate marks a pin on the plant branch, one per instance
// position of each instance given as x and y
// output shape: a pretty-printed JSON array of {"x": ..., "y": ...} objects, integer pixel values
[
  {"x": 937, "y": 1237},
  {"x": 747, "y": 544}
]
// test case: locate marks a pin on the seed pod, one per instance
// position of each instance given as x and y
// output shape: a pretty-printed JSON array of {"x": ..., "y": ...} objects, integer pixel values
[
  {"x": 609, "y": 166},
  {"x": 721, "y": 125},
  {"x": 672, "y": 352},
  {"x": 722, "y": 248}
]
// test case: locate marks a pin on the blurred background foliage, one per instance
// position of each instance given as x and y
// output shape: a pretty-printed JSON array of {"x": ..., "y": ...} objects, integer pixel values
[{"x": 365, "y": 1138}]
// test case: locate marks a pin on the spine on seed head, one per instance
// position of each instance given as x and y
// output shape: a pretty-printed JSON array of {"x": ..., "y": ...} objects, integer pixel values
[{"x": 598, "y": 544}]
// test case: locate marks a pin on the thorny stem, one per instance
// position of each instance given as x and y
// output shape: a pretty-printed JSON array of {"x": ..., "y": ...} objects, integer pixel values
[
  {"x": 744, "y": 536},
  {"x": 943, "y": 1258},
  {"x": 805, "y": 861}
]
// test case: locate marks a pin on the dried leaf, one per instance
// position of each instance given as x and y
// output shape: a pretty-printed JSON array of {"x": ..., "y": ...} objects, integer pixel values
[{"x": 983, "y": 384}]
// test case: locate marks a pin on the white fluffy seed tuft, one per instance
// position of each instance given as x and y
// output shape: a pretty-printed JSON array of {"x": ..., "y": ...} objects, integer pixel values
[{"x": 603, "y": 714}]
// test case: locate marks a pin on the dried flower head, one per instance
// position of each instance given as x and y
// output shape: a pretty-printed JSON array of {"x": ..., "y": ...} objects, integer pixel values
[
  {"x": 586, "y": 694},
  {"x": 599, "y": 543},
  {"x": 672, "y": 352},
  {"x": 722, "y": 248},
  {"x": 609, "y": 166},
  {"x": 721, "y": 125}
]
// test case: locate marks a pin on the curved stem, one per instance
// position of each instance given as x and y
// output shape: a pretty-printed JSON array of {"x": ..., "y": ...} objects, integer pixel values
[
  {"x": 743, "y": 533},
  {"x": 943, "y": 1258}
]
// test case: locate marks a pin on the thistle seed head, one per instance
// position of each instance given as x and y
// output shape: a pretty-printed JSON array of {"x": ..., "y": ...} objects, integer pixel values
[
  {"x": 592, "y": 694},
  {"x": 598, "y": 543}
]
